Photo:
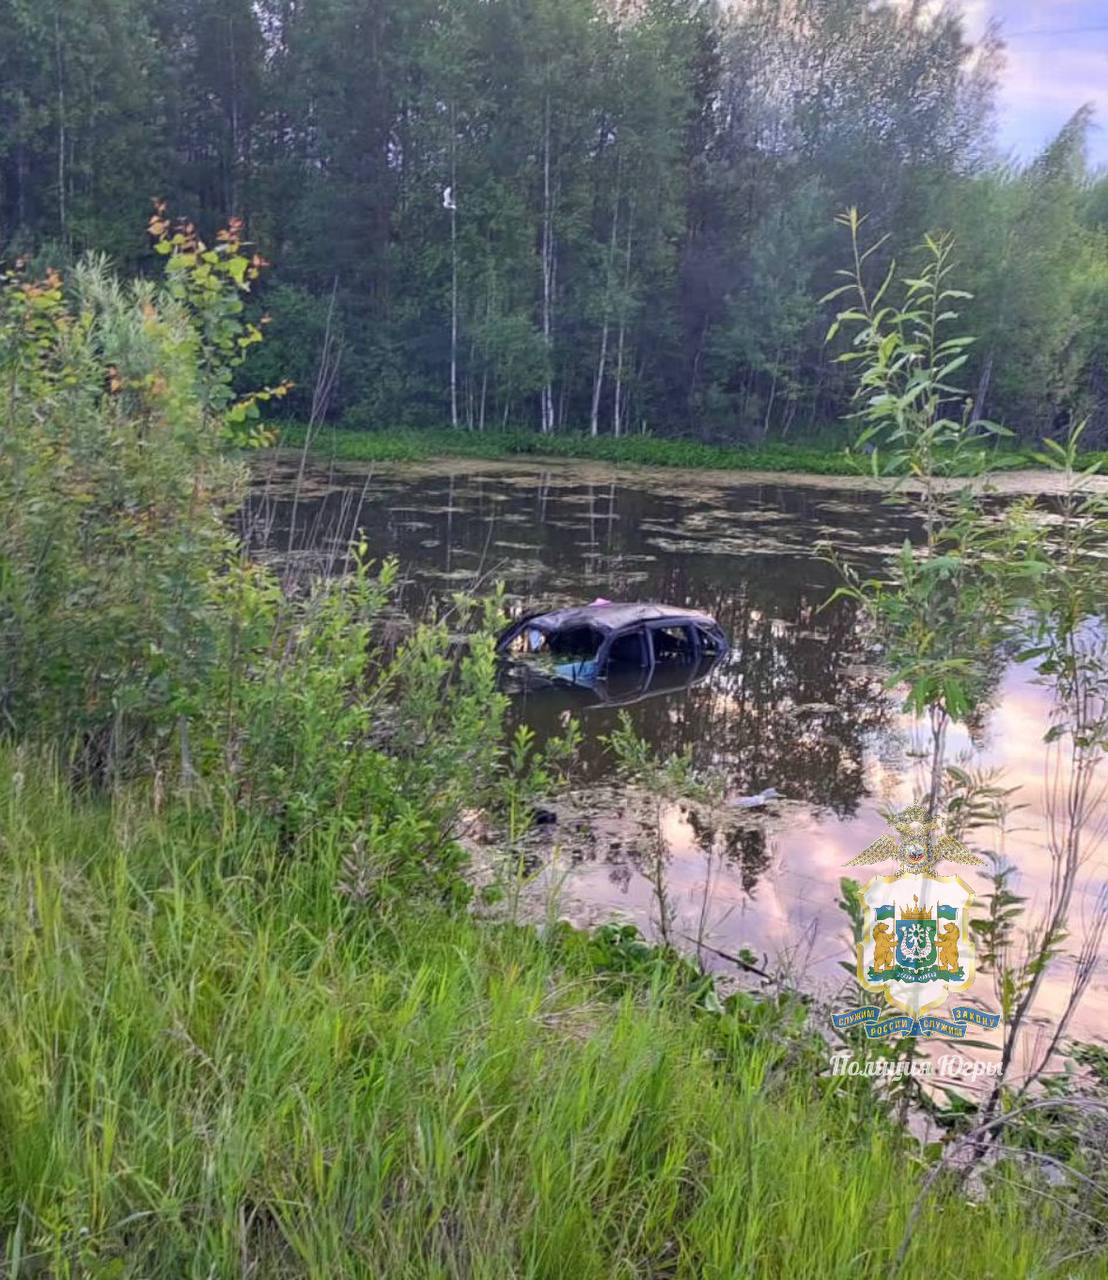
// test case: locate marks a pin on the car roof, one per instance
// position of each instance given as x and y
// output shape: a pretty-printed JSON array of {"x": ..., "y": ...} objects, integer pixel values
[{"x": 614, "y": 617}]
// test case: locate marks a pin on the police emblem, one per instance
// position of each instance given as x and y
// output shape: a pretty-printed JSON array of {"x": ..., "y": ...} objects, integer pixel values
[{"x": 916, "y": 946}]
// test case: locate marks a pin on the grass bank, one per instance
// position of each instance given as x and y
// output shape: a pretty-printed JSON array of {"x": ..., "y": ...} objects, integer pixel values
[
  {"x": 416, "y": 446},
  {"x": 215, "y": 1062},
  {"x": 828, "y": 458}
]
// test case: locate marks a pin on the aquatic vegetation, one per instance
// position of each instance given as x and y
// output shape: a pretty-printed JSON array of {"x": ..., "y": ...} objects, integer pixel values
[{"x": 355, "y": 445}]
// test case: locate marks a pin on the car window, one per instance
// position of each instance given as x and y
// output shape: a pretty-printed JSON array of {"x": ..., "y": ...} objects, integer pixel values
[
  {"x": 630, "y": 647},
  {"x": 673, "y": 643},
  {"x": 709, "y": 640},
  {"x": 528, "y": 640},
  {"x": 573, "y": 642}
]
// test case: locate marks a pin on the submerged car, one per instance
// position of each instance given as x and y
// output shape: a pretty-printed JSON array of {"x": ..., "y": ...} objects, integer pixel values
[{"x": 621, "y": 652}]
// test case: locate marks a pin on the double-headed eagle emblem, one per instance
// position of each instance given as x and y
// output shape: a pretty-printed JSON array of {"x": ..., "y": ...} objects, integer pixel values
[
  {"x": 921, "y": 846},
  {"x": 916, "y": 952}
]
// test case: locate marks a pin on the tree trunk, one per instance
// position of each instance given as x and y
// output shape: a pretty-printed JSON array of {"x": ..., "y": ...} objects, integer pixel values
[
  {"x": 617, "y": 396},
  {"x": 981, "y": 399},
  {"x": 618, "y": 389},
  {"x": 471, "y": 385},
  {"x": 453, "y": 270},
  {"x": 63, "y": 218},
  {"x": 598, "y": 380},
  {"x": 939, "y": 722},
  {"x": 234, "y": 194},
  {"x": 698, "y": 356},
  {"x": 547, "y": 398},
  {"x": 772, "y": 396}
]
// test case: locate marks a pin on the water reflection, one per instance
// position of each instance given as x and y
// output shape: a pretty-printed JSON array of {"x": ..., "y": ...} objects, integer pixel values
[{"x": 799, "y": 703}]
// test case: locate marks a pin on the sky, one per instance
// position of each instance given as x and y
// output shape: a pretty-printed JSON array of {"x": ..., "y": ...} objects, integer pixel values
[{"x": 1057, "y": 58}]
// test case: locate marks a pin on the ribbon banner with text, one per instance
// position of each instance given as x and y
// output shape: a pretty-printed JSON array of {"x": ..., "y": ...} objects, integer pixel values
[{"x": 878, "y": 1028}]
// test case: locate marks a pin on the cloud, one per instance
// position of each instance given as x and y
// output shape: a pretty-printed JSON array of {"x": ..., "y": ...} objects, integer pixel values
[
  {"x": 1053, "y": 66},
  {"x": 1048, "y": 72},
  {"x": 1041, "y": 89}
]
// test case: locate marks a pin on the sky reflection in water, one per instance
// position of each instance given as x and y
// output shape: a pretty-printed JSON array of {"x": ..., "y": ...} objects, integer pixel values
[{"x": 799, "y": 704}]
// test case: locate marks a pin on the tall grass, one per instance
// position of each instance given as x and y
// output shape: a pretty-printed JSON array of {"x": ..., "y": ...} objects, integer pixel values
[
  {"x": 827, "y": 456},
  {"x": 415, "y": 446},
  {"x": 213, "y": 1063}
]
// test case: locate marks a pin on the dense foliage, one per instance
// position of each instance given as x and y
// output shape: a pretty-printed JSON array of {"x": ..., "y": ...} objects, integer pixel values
[
  {"x": 564, "y": 214},
  {"x": 136, "y": 638}
]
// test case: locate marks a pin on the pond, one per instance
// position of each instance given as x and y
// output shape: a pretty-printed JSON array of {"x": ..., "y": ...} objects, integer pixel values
[{"x": 800, "y": 703}]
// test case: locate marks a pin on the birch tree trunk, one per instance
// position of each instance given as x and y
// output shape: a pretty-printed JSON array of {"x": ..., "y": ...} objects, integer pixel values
[
  {"x": 598, "y": 380},
  {"x": 767, "y": 420},
  {"x": 547, "y": 405},
  {"x": 453, "y": 269},
  {"x": 617, "y": 395},
  {"x": 617, "y": 390},
  {"x": 234, "y": 192}
]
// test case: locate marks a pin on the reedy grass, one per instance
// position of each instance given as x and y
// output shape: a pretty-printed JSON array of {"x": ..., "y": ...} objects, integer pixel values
[
  {"x": 213, "y": 1064},
  {"x": 420, "y": 445},
  {"x": 826, "y": 457}
]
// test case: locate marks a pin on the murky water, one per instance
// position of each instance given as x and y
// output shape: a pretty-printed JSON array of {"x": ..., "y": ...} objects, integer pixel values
[{"x": 799, "y": 704}]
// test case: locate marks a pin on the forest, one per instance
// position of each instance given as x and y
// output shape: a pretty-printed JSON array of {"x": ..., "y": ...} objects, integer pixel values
[
  {"x": 330, "y": 949},
  {"x": 602, "y": 216}
]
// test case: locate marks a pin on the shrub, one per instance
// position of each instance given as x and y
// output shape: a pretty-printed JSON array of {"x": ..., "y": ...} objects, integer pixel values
[
  {"x": 113, "y": 488},
  {"x": 137, "y": 636}
]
